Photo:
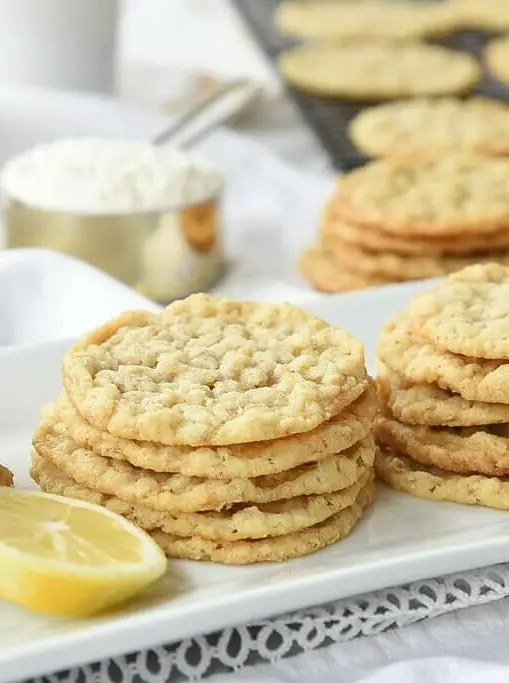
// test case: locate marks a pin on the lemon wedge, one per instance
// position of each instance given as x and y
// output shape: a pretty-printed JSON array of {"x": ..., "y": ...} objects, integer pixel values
[{"x": 66, "y": 557}]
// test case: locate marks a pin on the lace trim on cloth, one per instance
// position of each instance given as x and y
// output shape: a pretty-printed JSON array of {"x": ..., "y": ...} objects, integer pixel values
[{"x": 302, "y": 631}]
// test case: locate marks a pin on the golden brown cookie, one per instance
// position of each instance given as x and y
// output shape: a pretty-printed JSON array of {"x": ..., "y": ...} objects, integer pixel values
[
  {"x": 396, "y": 267},
  {"x": 455, "y": 194},
  {"x": 406, "y": 353},
  {"x": 421, "y": 126},
  {"x": 336, "y": 19},
  {"x": 224, "y": 462},
  {"x": 276, "y": 549},
  {"x": 6, "y": 478},
  {"x": 236, "y": 523},
  {"x": 179, "y": 493},
  {"x": 491, "y": 15},
  {"x": 404, "y": 474},
  {"x": 468, "y": 313},
  {"x": 325, "y": 274},
  {"x": 376, "y": 239},
  {"x": 496, "y": 57},
  {"x": 378, "y": 70},
  {"x": 466, "y": 450},
  {"x": 208, "y": 372},
  {"x": 428, "y": 404}
]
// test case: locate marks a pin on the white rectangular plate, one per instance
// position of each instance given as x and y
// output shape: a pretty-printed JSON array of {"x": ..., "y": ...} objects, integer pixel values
[{"x": 401, "y": 539}]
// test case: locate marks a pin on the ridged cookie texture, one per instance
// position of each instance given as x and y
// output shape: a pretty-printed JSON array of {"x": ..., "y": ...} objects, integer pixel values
[
  {"x": 428, "y": 404},
  {"x": 276, "y": 549},
  {"x": 444, "y": 424},
  {"x": 468, "y": 314},
  {"x": 405, "y": 351},
  {"x": 375, "y": 238},
  {"x": 405, "y": 475},
  {"x": 230, "y": 431},
  {"x": 395, "y": 267},
  {"x": 211, "y": 372},
  {"x": 222, "y": 462},
  {"x": 179, "y": 493},
  {"x": 413, "y": 216},
  {"x": 459, "y": 194},
  {"x": 241, "y": 521},
  {"x": 466, "y": 450}
]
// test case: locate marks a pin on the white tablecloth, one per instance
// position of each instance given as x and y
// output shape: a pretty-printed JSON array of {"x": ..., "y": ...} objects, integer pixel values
[{"x": 167, "y": 47}]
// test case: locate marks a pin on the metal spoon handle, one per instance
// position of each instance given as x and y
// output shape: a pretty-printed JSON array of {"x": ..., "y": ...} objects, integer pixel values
[{"x": 227, "y": 100}]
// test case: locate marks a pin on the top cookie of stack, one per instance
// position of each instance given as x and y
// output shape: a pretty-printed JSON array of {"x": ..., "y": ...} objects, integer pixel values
[
  {"x": 232, "y": 431},
  {"x": 406, "y": 218},
  {"x": 444, "y": 371}
]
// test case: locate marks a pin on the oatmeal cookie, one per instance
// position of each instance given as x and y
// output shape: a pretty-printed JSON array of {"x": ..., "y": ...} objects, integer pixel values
[
  {"x": 404, "y": 474},
  {"x": 223, "y": 462},
  {"x": 395, "y": 266},
  {"x": 428, "y": 404},
  {"x": 179, "y": 493},
  {"x": 406, "y": 353},
  {"x": 419, "y": 126},
  {"x": 276, "y": 549},
  {"x": 368, "y": 19},
  {"x": 490, "y": 15},
  {"x": 465, "y": 450},
  {"x": 376, "y": 239},
  {"x": 455, "y": 194},
  {"x": 376, "y": 71},
  {"x": 237, "y": 523},
  {"x": 211, "y": 372},
  {"x": 325, "y": 274},
  {"x": 468, "y": 313}
]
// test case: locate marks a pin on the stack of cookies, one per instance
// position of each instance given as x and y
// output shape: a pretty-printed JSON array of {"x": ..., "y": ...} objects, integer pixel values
[
  {"x": 6, "y": 478},
  {"x": 444, "y": 383},
  {"x": 231, "y": 431},
  {"x": 409, "y": 218}
]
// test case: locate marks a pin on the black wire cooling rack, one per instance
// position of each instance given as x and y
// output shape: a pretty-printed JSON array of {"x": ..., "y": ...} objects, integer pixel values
[{"x": 329, "y": 118}]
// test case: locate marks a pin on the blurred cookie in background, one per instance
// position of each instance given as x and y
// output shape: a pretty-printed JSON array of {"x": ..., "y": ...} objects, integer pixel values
[
  {"x": 496, "y": 57},
  {"x": 359, "y": 19},
  {"x": 411, "y": 218},
  {"x": 425, "y": 125},
  {"x": 378, "y": 70}
]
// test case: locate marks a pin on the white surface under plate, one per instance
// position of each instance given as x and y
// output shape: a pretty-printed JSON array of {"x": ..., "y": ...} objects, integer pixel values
[{"x": 401, "y": 538}]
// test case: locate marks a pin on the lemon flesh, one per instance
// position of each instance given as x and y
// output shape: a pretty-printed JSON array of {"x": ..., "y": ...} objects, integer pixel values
[{"x": 69, "y": 558}]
